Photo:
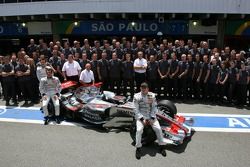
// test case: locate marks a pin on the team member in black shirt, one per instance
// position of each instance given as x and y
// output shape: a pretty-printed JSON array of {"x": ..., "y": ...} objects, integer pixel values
[
  {"x": 196, "y": 77},
  {"x": 102, "y": 70},
  {"x": 119, "y": 51},
  {"x": 232, "y": 78},
  {"x": 194, "y": 51},
  {"x": 182, "y": 77},
  {"x": 152, "y": 74},
  {"x": 214, "y": 80},
  {"x": 67, "y": 50},
  {"x": 84, "y": 60},
  {"x": 173, "y": 76},
  {"x": 243, "y": 81},
  {"x": 223, "y": 78},
  {"x": 128, "y": 75},
  {"x": 129, "y": 50},
  {"x": 60, "y": 64},
  {"x": 190, "y": 75},
  {"x": 14, "y": 62},
  {"x": 163, "y": 70},
  {"x": 115, "y": 73},
  {"x": 181, "y": 50},
  {"x": 94, "y": 64},
  {"x": 204, "y": 75},
  {"x": 151, "y": 51},
  {"x": 23, "y": 79},
  {"x": 8, "y": 78}
]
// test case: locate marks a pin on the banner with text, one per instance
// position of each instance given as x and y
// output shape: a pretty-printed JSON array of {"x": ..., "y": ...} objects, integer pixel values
[{"x": 122, "y": 27}]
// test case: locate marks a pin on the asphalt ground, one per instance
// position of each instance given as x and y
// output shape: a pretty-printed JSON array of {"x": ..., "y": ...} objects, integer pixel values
[{"x": 29, "y": 145}]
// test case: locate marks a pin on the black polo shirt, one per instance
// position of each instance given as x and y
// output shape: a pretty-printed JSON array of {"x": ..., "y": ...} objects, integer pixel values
[
  {"x": 190, "y": 69},
  {"x": 127, "y": 70},
  {"x": 173, "y": 65},
  {"x": 151, "y": 51},
  {"x": 67, "y": 52},
  {"x": 205, "y": 67},
  {"x": 214, "y": 71},
  {"x": 103, "y": 64},
  {"x": 197, "y": 68},
  {"x": 163, "y": 66},
  {"x": 22, "y": 68},
  {"x": 54, "y": 61},
  {"x": 243, "y": 77},
  {"x": 232, "y": 75},
  {"x": 8, "y": 68},
  {"x": 115, "y": 69},
  {"x": 182, "y": 67},
  {"x": 94, "y": 65},
  {"x": 223, "y": 74},
  {"x": 119, "y": 52},
  {"x": 152, "y": 70}
]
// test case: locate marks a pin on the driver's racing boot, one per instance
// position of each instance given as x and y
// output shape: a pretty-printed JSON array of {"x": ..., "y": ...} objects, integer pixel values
[
  {"x": 46, "y": 120},
  {"x": 163, "y": 151},
  {"x": 138, "y": 153}
]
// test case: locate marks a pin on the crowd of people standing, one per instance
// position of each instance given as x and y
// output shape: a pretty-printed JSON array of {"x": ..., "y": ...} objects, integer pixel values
[{"x": 173, "y": 69}]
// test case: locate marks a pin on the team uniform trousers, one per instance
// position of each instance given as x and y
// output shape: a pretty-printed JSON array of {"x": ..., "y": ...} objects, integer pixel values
[
  {"x": 55, "y": 102},
  {"x": 155, "y": 126}
]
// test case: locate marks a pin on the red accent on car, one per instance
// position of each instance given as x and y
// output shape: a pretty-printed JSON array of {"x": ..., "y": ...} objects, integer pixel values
[
  {"x": 68, "y": 84},
  {"x": 98, "y": 85}
]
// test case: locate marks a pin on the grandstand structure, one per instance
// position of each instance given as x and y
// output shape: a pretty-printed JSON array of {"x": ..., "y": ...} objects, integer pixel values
[{"x": 223, "y": 22}]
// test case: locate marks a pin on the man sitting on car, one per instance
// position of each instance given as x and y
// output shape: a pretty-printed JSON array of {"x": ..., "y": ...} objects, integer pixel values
[
  {"x": 50, "y": 87},
  {"x": 145, "y": 114}
]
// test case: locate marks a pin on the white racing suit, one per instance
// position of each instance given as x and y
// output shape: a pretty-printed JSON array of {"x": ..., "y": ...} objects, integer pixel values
[
  {"x": 146, "y": 109},
  {"x": 50, "y": 89}
]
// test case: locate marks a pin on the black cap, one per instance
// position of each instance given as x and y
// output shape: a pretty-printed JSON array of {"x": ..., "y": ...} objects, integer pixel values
[{"x": 144, "y": 85}]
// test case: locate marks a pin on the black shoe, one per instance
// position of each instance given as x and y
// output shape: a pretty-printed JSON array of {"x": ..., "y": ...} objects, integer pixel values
[
  {"x": 58, "y": 121},
  {"x": 46, "y": 120},
  {"x": 138, "y": 153},
  {"x": 163, "y": 152}
]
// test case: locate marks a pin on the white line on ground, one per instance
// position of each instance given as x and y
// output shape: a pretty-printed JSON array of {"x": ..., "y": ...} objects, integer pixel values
[
  {"x": 197, "y": 129},
  {"x": 236, "y": 130},
  {"x": 17, "y": 107},
  {"x": 36, "y": 121},
  {"x": 213, "y": 115},
  {"x": 183, "y": 114}
]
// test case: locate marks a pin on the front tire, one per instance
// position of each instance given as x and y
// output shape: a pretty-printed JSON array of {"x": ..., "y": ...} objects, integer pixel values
[{"x": 167, "y": 107}]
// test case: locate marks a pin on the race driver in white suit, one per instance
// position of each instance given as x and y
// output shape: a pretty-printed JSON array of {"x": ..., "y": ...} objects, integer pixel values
[{"x": 145, "y": 114}]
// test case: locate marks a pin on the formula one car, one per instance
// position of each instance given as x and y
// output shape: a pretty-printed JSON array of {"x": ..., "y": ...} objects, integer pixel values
[{"x": 111, "y": 111}]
